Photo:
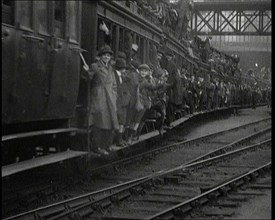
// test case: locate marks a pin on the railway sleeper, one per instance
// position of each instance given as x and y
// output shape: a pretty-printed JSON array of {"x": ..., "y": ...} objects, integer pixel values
[
  {"x": 226, "y": 203},
  {"x": 181, "y": 212},
  {"x": 212, "y": 197},
  {"x": 86, "y": 212},
  {"x": 137, "y": 191},
  {"x": 167, "y": 216},
  {"x": 105, "y": 203},
  {"x": 215, "y": 211},
  {"x": 147, "y": 185},
  {"x": 158, "y": 181},
  {"x": 249, "y": 193},
  {"x": 224, "y": 190},
  {"x": 172, "y": 179},
  {"x": 48, "y": 213},
  {"x": 75, "y": 216},
  {"x": 260, "y": 186},
  {"x": 120, "y": 196},
  {"x": 78, "y": 203},
  {"x": 181, "y": 194}
]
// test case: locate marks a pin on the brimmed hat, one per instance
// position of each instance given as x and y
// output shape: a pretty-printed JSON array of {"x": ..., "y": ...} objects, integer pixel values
[
  {"x": 161, "y": 52},
  {"x": 144, "y": 66},
  {"x": 120, "y": 64},
  {"x": 105, "y": 49},
  {"x": 121, "y": 54},
  {"x": 169, "y": 53},
  {"x": 135, "y": 63}
]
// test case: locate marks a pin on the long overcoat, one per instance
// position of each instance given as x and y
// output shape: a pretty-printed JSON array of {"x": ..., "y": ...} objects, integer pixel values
[
  {"x": 123, "y": 98},
  {"x": 103, "y": 95}
]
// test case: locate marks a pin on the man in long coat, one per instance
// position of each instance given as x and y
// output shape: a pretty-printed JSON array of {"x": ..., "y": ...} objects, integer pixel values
[{"x": 103, "y": 94}]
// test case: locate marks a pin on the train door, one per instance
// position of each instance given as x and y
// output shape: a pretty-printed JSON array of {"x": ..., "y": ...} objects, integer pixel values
[
  {"x": 64, "y": 59},
  {"x": 8, "y": 59},
  {"x": 58, "y": 59},
  {"x": 29, "y": 75}
]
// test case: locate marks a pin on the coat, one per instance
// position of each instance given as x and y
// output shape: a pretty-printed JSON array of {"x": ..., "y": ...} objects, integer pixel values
[
  {"x": 123, "y": 93},
  {"x": 146, "y": 90},
  {"x": 132, "y": 83},
  {"x": 103, "y": 95}
]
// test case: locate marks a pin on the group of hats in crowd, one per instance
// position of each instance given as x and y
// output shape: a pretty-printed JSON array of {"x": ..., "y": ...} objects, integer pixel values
[{"x": 121, "y": 57}]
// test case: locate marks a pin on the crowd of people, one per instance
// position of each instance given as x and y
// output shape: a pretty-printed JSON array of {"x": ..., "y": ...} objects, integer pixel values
[
  {"x": 173, "y": 17},
  {"x": 124, "y": 95}
]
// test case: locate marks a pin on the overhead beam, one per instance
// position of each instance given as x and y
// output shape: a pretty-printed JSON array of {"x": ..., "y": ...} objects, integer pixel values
[{"x": 232, "y": 18}]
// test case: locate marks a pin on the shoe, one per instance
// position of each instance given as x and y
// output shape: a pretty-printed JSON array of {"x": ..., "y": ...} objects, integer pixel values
[
  {"x": 161, "y": 131},
  {"x": 103, "y": 151},
  {"x": 167, "y": 127}
]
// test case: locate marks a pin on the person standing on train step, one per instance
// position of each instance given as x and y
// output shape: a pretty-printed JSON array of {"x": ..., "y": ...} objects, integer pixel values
[
  {"x": 159, "y": 98},
  {"x": 132, "y": 83},
  {"x": 145, "y": 87},
  {"x": 102, "y": 115},
  {"x": 123, "y": 97},
  {"x": 172, "y": 89},
  {"x": 139, "y": 104}
]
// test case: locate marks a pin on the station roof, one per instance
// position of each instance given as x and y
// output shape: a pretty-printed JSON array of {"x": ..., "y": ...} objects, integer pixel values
[{"x": 232, "y": 5}]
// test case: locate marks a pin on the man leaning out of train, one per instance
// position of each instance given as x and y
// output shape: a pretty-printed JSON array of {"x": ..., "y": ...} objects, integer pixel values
[{"x": 102, "y": 116}]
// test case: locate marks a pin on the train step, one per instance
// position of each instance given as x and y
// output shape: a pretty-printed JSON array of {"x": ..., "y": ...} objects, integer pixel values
[
  {"x": 40, "y": 161},
  {"x": 72, "y": 131}
]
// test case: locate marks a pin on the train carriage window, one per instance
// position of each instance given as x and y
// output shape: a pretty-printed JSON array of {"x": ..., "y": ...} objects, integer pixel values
[
  {"x": 42, "y": 16},
  {"x": 114, "y": 38},
  {"x": 102, "y": 38},
  {"x": 26, "y": 13},
  {"x": 141, "y": 50},
  {"x": 73, "y": 16},
  {"x": 100, "y": 35},
  {"x": 121, "y": 39},
  {"x": 8, "y": 12},
  {"x": 59, "y": 18},
  {"x": 151, "y": 51},
  {"x": 138, "y": 43}
]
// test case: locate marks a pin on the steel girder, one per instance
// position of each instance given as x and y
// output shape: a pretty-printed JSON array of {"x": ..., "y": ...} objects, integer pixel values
[{"x": 232, "y": 18}]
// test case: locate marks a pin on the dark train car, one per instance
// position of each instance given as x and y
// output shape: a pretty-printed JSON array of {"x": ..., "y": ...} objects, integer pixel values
[
  {"x": 44, "y": 98},
  {"x": 40, "y": 70}
]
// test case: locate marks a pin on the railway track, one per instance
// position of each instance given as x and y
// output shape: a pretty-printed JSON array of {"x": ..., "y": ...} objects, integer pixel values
[
  {"x": 230, "y": 205},
  {"x": 121, "y": 176},
  {"x": 176, "y": 191}
]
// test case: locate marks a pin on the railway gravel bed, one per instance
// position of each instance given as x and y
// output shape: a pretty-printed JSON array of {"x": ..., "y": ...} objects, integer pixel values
[
  {"x": 73, "y": 186},
  {"x": 178, "y": 191},
  {"x": 144, "y": 168},
  {"x": 247, "y": 202},
  {"x": 185, "y": 185}
]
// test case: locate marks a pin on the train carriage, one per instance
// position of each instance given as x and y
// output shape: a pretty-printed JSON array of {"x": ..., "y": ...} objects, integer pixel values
[
  {"x": 40, "y": 72},
  {"x": 44, "y": 98}
]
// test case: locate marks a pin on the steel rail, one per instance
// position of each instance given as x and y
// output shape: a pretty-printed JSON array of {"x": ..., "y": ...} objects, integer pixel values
[
  {"x": 207, "y": 193},
  {"x": 230, "y": 146},
  {"x": 154, "y": 177},
  {"x": 169, "y": 147},
  {"x": 61, "y": 206}
]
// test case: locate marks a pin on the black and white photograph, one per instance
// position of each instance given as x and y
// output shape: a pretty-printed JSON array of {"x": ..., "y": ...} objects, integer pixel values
[{"x": 136, "y": 109}]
